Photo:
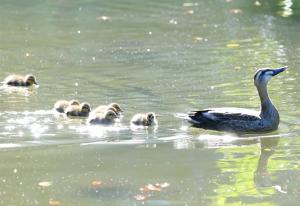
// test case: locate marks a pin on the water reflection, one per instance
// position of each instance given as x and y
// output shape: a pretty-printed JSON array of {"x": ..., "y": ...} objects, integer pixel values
[
  {"x": 262, "y": 177},
  {"x": 12, "y": 91},
  {"x": 286, "y": 8}
]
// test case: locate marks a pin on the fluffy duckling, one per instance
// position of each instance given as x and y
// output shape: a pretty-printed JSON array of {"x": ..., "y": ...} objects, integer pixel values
[
  {"x": 81, "y": 110},
  {"x": 143, "y": 119},
  {"x": 115, "y": 107},
  {"x": 107, "y": 117},
  {"x": 62, "y": 105},
  {"x": 18, "y": 80}
]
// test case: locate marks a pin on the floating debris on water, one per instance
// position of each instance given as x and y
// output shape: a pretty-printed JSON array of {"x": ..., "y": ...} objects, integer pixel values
[
  {"x": 173, "y": 21},
  {"x": 189, "y": 4},
  {"x": 198, "y": 38},
  {"x": 236, "y": 11},
  {"x": 157, "y": 187},
  {"x": 96, "y": 184},
  {"x": 150, "y": 187},
  {"x": 189, "y": 12},
  {"x": 45, "y": 184},
  {"x": 103, "y": 18},
  {"x": 53, "y": 202},
  {"x": 232, "y": 45},
  {"x": 141, "y": 197},
  {"x": 257, "y": 3}
]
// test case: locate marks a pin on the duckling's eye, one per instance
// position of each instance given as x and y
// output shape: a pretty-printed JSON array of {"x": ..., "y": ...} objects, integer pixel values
[{"x": 111, "y": 115}]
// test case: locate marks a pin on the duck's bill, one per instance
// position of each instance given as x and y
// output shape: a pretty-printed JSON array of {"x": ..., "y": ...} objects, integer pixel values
[{"x": 279, "y": 70}]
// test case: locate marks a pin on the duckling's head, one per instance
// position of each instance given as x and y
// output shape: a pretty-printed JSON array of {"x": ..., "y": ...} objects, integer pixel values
[
  {"x": 262, "y": 76},
  {"x": 30, "y": 79},
  {"x": 74, "y": 102},
  {"x": 110, "y": 115},
  {"x": 85, "y": 107},
  {"x": 151, "y": 117},
  {"x": 116, "y": 107}
]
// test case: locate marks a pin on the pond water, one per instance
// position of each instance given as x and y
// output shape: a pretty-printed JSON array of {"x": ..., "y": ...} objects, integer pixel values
[{"x": 166, "y": 57}]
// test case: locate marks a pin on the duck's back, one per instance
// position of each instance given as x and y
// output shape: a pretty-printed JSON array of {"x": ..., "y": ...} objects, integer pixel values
[
  {"x": 139, "y": 119},
  {"x": 228, "y": 119},
  {"x": 14, "y": 80},
  {"x": 101, "y": 109}
]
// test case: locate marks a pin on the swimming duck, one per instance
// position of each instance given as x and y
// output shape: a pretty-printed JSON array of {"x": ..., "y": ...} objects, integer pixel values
[
  {"x": 18, "y": 80},
  {"x": 144, "y": 119},
  {"x": 107, "y": 117},
  {"x": 113, "y": 106},
  {"x": 242, "y": 120},
  {"x": 81, "y": 110},
  {"x": 62, "y": 105}
]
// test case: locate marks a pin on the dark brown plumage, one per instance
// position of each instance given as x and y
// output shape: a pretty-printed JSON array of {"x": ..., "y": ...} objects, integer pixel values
[
  {"x": 81, "y": 110},
  {"x": 21, "y": 81},
  {"x": 107, "y": 117},
  {"x": 62, "y": 105},
  {"x": 242, "y": 120}
]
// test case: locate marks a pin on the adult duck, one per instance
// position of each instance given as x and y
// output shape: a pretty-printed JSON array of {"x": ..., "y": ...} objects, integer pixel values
[{"x": 242, "y": 120}]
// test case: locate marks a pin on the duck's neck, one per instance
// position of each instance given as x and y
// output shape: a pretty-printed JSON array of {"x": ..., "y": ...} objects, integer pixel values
[{"x": 268, "y": 110}]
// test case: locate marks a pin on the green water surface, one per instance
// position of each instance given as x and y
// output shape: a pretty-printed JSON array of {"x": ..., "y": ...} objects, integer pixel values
[{"x": 162, "y": 56}]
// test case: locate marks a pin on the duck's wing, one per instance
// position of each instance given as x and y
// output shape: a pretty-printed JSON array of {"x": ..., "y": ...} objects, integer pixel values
[
  {"x": 222, "y": 117},
  {"x": 100, "y": 109},
  {"x": 14, "y": 80}
]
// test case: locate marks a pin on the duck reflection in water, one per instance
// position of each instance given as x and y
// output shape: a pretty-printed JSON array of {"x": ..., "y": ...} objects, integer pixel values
[{"x": 262, "y": 177}]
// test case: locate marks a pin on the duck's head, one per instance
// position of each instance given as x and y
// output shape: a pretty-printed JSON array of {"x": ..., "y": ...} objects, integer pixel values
[
  {"x": 262, "y": 76},
  {"x": 30, "y": 79},
  {"x": 115, "y": 107},
  {"x": 151, "y": 117},
  {"x": 110, "y": 115},
  {"x": 85, "y": 107},
  {"x": 74, "y": 102}
]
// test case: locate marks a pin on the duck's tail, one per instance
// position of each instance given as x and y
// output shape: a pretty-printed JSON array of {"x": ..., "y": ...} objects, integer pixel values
[{"x": 182, "y": 116}]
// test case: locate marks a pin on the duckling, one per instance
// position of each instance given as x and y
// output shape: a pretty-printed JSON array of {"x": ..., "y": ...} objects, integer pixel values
[
  {"x": 81, "y": 110},
  {"x": 143, "y": 119},
  {"x": 62, "y": 105},
  {"x": 115, "y": 107},
  {"x": 18, "y": 80},
  {"x": 107, "y": 117}
]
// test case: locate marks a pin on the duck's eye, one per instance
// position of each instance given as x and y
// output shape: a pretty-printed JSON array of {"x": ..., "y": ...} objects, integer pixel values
[{"x": 86, "y": 107}]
